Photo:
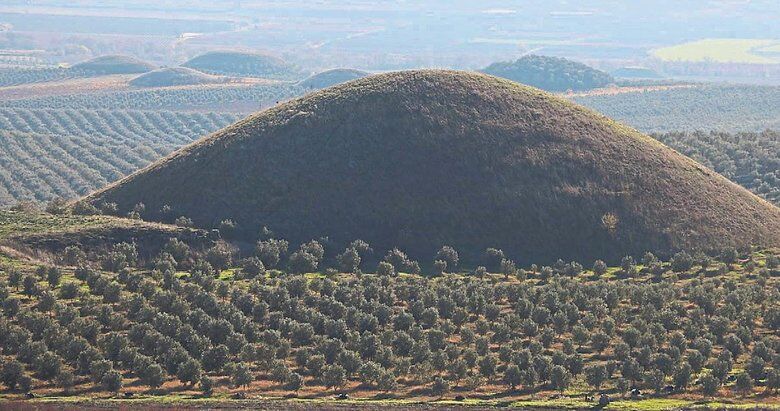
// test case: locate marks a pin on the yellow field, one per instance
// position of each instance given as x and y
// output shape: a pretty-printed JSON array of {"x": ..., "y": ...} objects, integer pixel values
[{"x": 721, "y": 51}]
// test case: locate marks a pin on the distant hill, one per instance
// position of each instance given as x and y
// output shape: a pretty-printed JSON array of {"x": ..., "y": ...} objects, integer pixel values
[
  {"x": 175, "y": 76},
  {"x": 550, "y": 73},
  {"x": 114, "y": 65},
  {"x": 234, "y": 63},
  {"x": 332, "y": 77},
  {"x": 418, "y": 159},
  {"x": 636, "y": 72}
]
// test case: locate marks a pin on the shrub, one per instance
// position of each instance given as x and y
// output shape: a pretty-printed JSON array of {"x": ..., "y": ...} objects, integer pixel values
[
  {"x": 252, "y": 267},
  {"x": 220, "y": 256},
  {"x": 440, "y": 386},
  {"x": 349, "y": 260},
  {"x": 386, "y": 269},
  {"x": 73, "y": 256},
  {"x": 302, "y": 262},
  {"x": 513, "y": 376},
  {"x": 595, "y": 375},
  {"x": 439, "y": 267},
  {"x": 241, "y": 375},
  {"x": 271, "y": 251},
  {"x": 66, "y": 380},
  {"x": 681, "y": 262},
  {"x": 333, "y": 376},
  {"x": 153, "y": 376},
  {"x": 206, "y": 386},
  {"x": 294, "y": 382},
  {"x": 449, "y": 256},
  {"x": 12, "y": 373},
  {"x": 744, "y": 384},
  {"x": 58, "y": 206},
  {"x": 184, "y": 222},
  {"x": 177, "y": 249},
  {"x": 111, "y": 381},
  {"x": 709, "y": 385}
]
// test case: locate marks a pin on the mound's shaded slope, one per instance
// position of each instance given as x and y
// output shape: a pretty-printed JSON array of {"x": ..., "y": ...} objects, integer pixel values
[
  {"x": 234, "y": 63},
  {"x": 550, "y": 73},
  {"x": 332, "y": 77},
  {"x": 114, "y": 65},
  {"x": 424, "y": 158},
  {"x": 175, "y": 76}
]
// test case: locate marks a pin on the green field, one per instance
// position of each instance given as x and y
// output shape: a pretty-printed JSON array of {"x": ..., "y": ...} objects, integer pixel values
[{"x": 720, "y": 51}]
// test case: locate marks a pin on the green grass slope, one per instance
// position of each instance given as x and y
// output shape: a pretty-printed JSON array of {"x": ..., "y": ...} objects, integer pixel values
[
  {"x": 37, "y": 233},
  {"x": 175, "y": 76},
  {"x": 234, "y": 63},
  {"x": 114, "y": 65},
  {"x": 332, "y": 77},
  {"x": 418, "y": 159}
]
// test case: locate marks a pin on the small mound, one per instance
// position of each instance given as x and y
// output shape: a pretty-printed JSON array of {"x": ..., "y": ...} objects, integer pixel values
[
  {"x": 332, "y": 77},
  {"x": 175, "y": 76},
  {"x": 419, "y": 159},
  {"x": 114, "y": 65},
  {"x": 233, "y": 63},
  {"x": 636, "y": 72},
  {"x": 550, "y": 73},
  {"x": 32, "y": 233}
]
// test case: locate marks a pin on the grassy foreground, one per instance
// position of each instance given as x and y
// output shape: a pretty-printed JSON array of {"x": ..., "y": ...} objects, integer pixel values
[{"x": 196, "y": 402}]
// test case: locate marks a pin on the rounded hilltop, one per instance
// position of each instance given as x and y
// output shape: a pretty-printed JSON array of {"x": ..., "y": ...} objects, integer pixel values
[
  {"x": 418, "y": 159},
  {"x": 114, "y": 64},
  {"x": 242, "y": 64},
  {"x": 175, "y": 76},
  {"x": 550, "y": 73}
]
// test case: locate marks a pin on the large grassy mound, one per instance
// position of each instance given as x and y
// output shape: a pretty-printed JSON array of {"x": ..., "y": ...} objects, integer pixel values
[
  {"x": 418, "y": 159},
  {"x": 332, "y": 77},
  {"x": 114, "y": 65},
  {"x": 550, "y": 73},
  {"x": 234, "y": 63},
  {"x": 175, "y": 76}
]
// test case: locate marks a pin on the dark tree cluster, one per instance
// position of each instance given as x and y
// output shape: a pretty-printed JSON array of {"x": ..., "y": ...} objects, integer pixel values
[{"x": 550, "y": 73}]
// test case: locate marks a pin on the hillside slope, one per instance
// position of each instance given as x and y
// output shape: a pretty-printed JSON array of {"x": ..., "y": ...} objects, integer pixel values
[
  {"x": 331, "y": 78},
  {"x": 418, "y": 159}
]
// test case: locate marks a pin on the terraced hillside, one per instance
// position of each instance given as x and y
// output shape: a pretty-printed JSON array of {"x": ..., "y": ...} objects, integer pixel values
[
  {"x": 15, "y": 76},
  {"x": 230, "y": 97},
  {"x": 730, "y": 108},
  {"x": 66, "y": 153}
]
